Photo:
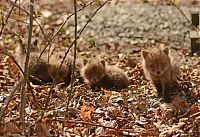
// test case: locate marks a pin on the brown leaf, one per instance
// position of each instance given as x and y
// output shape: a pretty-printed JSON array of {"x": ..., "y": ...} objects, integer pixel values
[
  {"x": 70, "y": 124},
  {"x": 86, "y": 112},
  {"x": 111, "y": 132},
  {"x": 10, "y": 127},
  {"x": 106, "y": 96},
  {"x": 167, "y": 110},
  {"x": 42, "y": 129},
  {"x": 12, "y": 68},
  {"x": 195, "y": 108},
  {"x": 179, "y": 103}
]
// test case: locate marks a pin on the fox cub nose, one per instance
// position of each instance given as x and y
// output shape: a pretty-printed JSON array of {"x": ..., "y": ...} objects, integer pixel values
[
  {"x": 158, "y": 72},
  {"x": 94, "y": 80}
]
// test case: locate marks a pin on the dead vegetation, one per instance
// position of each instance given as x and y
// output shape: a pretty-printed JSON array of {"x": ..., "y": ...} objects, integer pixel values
[{"x": 133, "y": 111}]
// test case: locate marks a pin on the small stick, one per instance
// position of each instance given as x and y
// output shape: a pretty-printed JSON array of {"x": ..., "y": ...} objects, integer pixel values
[
  {"x": 9, "y": 98},
  {"x": 6, "y": 21}
]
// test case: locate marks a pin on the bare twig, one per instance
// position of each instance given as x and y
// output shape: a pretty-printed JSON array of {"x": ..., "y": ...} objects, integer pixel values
[
  {"x": 183, "y": 14},
  {"x": 48, "y": 97},
  {"x": 9, "y": 98},
  {"x": 6, "y": 21},
  {"x": 23, "y": 92},
  {"x": 21, "y": 79},
  {"x": 118, "y": 130},
  {"x": 20, "y": 8},
  {"x": 74, "y": 61},
  {"x": 50, "y": 92},
  {"x": 12, "y": 58},
  {"x": 75, "y": 45},
  {"x": 62, "y": 25},
  {"x": 49, "y": 41},
  {"x": 88, "y": 21}
]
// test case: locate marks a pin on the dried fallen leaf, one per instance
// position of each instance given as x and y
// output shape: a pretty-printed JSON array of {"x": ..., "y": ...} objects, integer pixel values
[
  {"x": 111, "y": 132},
  {"x": 10, "y": 127},
  {"x": 42, "y": 129},
  {"x": 179, "y": 102},
  {"x": 167, "y": 110},
  {"x": 106, "y": 97},
  {"x": 86, "y": 112},
  {"x": 195, "y": 108},
  {"x": 13, "y": 69}
]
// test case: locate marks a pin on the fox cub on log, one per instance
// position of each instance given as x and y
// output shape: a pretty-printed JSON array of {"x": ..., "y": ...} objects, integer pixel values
[
  {"x": 98, "y": 74},
  {"x": 161, "y": 67}
]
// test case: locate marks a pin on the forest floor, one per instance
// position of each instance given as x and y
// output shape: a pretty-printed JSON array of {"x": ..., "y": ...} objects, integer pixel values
[{"x": 118, "y": 33}]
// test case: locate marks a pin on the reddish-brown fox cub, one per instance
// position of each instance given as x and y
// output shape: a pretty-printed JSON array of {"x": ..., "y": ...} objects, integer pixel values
[
  {"x": 62, "y": 73},
  {"x": 98, "y": 74},
  {"x": 39, "y": 72},
  {"x": 161, "y": 68},
  {"x": 57, "y": 71},
  {"x": 46, "y": 71}
]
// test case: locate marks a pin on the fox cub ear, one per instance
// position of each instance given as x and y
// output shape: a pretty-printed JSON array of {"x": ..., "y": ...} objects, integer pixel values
[
  {"x": 166, "y": 51},
  {"x": 103, "y": 62},
  {"x": 144, "y": 53},
  {"x": 85, "y": 61}
]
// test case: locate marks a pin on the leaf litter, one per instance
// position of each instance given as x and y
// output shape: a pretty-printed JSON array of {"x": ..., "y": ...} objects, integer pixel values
[{"x": 135, "y": 111}]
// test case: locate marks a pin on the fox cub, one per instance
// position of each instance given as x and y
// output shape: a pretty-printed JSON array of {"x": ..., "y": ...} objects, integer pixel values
[
  {"x": 39, "y": 72},
  {"x": 62, "y": 73},
  {"x": 57, "y": 71},
  {"x": 46, "y": 71},
  {"x": 98, "y": 74},
  {"x": 161, "y": 68}
]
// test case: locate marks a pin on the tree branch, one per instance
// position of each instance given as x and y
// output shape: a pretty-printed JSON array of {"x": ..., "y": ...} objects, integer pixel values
[
  {"x": 74, "y": 61},
  {"x": 88, "y": 21},
  {"x": 62, "y": 25},
  {"x": 26, "y": 71},
  {"x": 9, "y": 98},
  {"x": 6, "y": 21}
]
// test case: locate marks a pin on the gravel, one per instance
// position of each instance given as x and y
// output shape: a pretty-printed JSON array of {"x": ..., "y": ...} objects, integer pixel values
[{"x": 136, "y": 23}]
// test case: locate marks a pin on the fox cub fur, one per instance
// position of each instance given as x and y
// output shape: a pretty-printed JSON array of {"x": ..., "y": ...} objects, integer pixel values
[
  {"x": 98, "y": 74},
  {"x": 161, "y": 68}
]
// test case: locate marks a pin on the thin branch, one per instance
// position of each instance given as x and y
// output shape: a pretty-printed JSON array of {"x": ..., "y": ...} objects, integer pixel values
[
  {"x": 62, "y": 25},
  {"x": 50, "y": 92},
  {"x": 9, "y": 98},
  {"x": 26, "y": 72},
  {"x": 192, "y": 25},
  {"x": 17, "y": 85},
  {"x": 48, "y": 97},
  {"x": 183, "y": 14},
  {"x": 49, "y": 41},
  {"x": 74, "y": 62},
  {"x": 88, "y": 21},
  {"x": 12, "y": 58},
  {"x": 20, "y": 8},
  {"x": 17, "y": 64},
  {"x": 75, "y": 45},
  {"x": 6, "y": 21}
]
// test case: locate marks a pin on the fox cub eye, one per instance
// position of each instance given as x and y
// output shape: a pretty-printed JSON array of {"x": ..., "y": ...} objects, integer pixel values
[
  {"x": 162, "y": 64},
  {"x": 151, "y": 65}
]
